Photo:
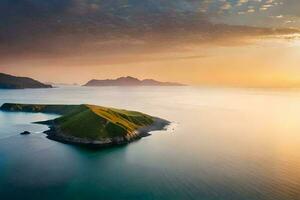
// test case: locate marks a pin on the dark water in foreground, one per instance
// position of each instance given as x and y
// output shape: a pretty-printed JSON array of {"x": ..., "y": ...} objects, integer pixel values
[{"x": 224, "y": 144}]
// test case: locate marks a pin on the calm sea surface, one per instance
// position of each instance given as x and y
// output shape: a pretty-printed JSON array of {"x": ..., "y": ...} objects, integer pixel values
[{"x": 224, "y": 144}]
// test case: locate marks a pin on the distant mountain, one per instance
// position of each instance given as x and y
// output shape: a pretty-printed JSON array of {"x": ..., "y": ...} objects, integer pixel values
[
  {"x": 14, "y": 82},
  {"x": 129, "y": 81}
]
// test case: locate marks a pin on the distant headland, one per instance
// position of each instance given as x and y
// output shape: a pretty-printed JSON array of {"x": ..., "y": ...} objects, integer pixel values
[
  {"x": 129, "y": 81},
  {"x": 13, "y": 82},
  {"x": 91, "y": 125}
]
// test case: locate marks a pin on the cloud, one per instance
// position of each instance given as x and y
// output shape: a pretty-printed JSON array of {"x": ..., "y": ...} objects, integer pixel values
[
  {"x": 226, "y": 6},
  {"x": 291, "y": 7},
  {"x": 59, "y": 28},
  {"x": 241, "y": 2}
]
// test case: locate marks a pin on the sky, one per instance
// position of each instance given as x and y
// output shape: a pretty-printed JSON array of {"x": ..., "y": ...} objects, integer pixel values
[{"x": 251, "y": 43}]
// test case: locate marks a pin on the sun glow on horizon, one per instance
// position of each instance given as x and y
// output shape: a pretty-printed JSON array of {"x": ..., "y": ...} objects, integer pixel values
[{"x": 269, "y": 62}]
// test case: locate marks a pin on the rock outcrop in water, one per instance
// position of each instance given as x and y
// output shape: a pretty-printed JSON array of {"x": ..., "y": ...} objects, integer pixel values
[
  {"x": 129, "y": 81},
  {"x": 91, "y": 125},
  {"x": 25, "y": 133},
  {"x": 14, "y": 82}
]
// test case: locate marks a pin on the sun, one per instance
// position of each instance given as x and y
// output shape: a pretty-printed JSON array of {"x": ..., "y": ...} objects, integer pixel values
[
  {"x": 294, "y": 40},
  {"x": 296, "y": 43}
]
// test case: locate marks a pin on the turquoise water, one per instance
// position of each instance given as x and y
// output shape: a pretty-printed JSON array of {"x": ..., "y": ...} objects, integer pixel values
[{"x": 226, "y": 144}]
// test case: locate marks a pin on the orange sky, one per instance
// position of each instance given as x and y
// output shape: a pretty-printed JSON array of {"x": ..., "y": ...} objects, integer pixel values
[
  {"x": 225, "y": 43},
  {"x": 266, "y": 63}
]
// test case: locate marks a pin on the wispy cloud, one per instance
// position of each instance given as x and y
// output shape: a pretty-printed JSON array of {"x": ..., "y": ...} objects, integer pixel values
[{"x": 99, "y": 27}]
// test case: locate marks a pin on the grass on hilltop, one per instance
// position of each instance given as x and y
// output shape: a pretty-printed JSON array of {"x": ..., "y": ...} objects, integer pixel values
[{"x": 89, "y": 121}]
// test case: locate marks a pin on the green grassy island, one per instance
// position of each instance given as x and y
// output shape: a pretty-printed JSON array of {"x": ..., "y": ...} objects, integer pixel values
[{"x": 91, "y": 125}]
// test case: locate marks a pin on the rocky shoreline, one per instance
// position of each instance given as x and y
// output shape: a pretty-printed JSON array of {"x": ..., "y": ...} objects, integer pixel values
[
  {"x": 54, "y": 133},
  {"x": 92, "y": 125}
]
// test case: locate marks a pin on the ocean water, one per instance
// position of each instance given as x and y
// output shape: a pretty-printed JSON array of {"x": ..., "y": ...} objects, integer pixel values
[{"x": 223, "y": 144}]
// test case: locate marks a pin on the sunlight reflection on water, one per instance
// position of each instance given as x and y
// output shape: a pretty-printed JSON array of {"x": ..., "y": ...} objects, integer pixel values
[{"x": 223, "y": 144}]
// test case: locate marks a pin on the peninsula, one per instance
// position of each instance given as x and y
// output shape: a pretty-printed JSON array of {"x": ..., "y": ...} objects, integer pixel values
[
  {"x": 91, "y": 125},
  {"x": 13, "y": 82},
  {"x": 129, "y": 81}
]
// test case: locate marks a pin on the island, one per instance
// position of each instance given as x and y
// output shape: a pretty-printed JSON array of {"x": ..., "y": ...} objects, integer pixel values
[
  {"x": 91, "y": 125},
  {"x": 129, "y": 81},
  {"x": 13, "y": 82}
]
